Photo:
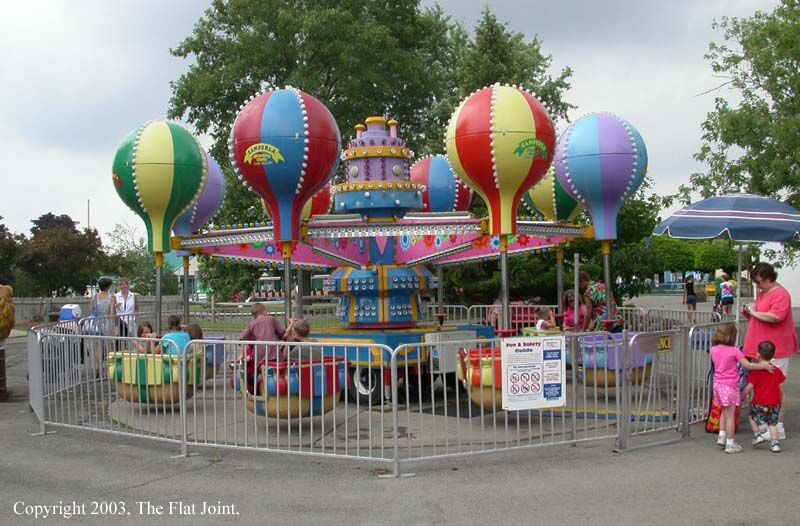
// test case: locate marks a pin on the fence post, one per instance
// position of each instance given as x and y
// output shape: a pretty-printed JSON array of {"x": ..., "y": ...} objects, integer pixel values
[
  {"x": 213, "y": 309},
  {"x": 623, "y": 432},
  {"x": 684, "y": 349},
  {"x": 395, "y": 440},
  {"x": 35, "y": 380},
  {"x": 574, "y": 391},
  {"x": 182, "y": 371}
]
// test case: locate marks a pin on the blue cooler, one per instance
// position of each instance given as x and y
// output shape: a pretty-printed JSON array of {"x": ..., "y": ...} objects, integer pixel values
[{"x": 70, "y": 312}]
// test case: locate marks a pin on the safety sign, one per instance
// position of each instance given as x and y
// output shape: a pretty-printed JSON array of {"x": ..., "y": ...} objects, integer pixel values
[{"x": 533, "y": 372}]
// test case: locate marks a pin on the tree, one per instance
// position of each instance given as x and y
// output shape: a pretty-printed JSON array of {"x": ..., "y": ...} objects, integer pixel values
[
  {"x": 716, "y": 255},
  {"x": 8, "y": 253},
  {"x": 129, "y": 258},
  {"x": 672, "y": 254},
  {"x": 50, "y": 220},
  {"x": 58, "y": 259},
  {"x": 753, "y": 145},
  {"x": 225, "y": 279}
]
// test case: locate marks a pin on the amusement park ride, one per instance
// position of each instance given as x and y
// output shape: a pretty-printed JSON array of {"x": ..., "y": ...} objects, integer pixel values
[{"x": 389, "y": 218}]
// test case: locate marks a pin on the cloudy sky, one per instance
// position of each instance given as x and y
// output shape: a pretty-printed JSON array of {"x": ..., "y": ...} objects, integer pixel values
[{"x": 79, "y": 75}]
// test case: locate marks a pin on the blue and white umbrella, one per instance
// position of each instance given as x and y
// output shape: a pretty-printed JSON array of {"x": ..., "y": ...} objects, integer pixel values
[{"x": 743, "y": 218}]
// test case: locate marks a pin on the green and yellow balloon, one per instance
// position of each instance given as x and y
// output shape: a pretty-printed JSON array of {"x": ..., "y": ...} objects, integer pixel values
[
  {"x": 159, "y": 171},
  {"x": 548, "y": 201}
]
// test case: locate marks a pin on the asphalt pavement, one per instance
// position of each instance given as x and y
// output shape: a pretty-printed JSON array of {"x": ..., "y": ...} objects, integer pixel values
[{"x": 73, "y": 473}]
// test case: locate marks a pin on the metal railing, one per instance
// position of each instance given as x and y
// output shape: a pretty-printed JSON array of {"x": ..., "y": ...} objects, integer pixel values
[
  {"x": 361, "y": 400},
  {"x": 522, "y": 315}
]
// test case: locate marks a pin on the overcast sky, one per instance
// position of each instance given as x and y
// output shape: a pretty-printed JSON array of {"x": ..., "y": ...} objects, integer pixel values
[{"x": 79, "y": 75}]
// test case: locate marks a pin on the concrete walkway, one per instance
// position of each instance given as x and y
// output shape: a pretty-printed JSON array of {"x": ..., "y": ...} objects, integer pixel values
[{"x": 686, "y": 483}]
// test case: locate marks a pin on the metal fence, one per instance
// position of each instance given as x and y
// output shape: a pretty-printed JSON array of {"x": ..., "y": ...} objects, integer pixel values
[
  {"x": 360, "y": 400},
  {"x": 27, "y": 309},
  {"x": 659, "y": 319}
]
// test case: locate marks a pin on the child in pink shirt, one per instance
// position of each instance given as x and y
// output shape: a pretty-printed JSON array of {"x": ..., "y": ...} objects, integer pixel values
[{"x": 726, "y": 357}]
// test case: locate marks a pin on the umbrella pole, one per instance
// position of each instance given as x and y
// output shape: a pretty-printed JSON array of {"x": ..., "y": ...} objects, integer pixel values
[
  {"x": 505, "y": 322},
  {"x": 605, "y": 249},
  {"x": 159, "y": 266},
  {"x": 738, "y": 286}
]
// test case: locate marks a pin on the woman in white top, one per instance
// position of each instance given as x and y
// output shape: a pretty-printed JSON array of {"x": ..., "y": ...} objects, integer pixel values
[{"x": 126, "y": 308}]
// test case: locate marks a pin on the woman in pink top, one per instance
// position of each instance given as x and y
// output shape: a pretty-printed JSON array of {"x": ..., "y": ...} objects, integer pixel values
[{"x": 770, "y": 319}]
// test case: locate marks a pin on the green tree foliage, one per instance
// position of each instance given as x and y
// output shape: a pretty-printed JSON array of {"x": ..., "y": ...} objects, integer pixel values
[
  {"x": 226, "y": 280},
  {"x": 57, "y": 259},
  {"x": 358, "y": 57},
  {"x": 716, "y": 255},
  {"x": 672, "y": 254},
  {"x": 499, "y": 55},
  {"x": 8, "y": 253},
  {"x": 751, "y": 143},
  {"x": 129, "y": 258}
]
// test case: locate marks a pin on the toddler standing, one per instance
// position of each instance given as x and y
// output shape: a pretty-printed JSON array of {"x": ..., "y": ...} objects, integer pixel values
[
  {"x": 766, "y": 402},
  {"x": 726, "y": 357}
]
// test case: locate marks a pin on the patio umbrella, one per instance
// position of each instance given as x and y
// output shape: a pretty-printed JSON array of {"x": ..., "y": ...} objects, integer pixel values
[{"x": 743, "y": 218}]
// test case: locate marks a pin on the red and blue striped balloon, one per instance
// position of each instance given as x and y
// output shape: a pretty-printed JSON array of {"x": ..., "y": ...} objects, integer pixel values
[
  {"x": 285, "y": 146},
  {"x": 444, "y": 192}
]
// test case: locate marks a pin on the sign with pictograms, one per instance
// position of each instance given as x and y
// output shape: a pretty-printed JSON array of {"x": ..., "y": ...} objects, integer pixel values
[{"x": 533, "y": 372}]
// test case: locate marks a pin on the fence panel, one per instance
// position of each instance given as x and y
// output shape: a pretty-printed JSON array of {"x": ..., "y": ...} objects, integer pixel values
[
  {"x": 654, "y": 381},
  {"x": 667, "y": 319},
  {"x": 359, "y": 400},
  {"x": 522, "y": 315},
  {"x": 463, "y": 413},
  {"x": 307, "y": 398},
  {"x": 454, "y": 314}
]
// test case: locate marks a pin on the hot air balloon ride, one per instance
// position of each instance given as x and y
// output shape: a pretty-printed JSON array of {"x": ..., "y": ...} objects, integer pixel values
[
  {"x": 197, "y": 215},
  {"x": 500, "y": 142},
  {"x": 548, "y": 201},
  {"x": 159, "y": 172},
  {"x": 285, "y": 147},
  {"x": 601, "y": 160}
]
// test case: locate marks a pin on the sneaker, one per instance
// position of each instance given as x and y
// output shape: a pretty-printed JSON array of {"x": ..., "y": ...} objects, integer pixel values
[
  {"x": 721, "y": 441},
  {"x": 734, "y": 448},
  {"x": 775, "y": 448},
  {"x": 781, "y": 435},
  {"x": 759, "y": 440}
]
